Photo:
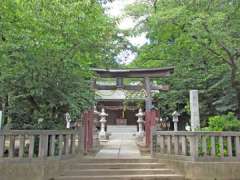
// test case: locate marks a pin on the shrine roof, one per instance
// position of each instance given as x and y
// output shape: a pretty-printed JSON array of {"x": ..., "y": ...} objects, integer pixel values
[{"x": 134, "y": 73}]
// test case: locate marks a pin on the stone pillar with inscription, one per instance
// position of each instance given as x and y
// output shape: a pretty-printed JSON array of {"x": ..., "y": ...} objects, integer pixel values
[{"x": 194, "y": 107}]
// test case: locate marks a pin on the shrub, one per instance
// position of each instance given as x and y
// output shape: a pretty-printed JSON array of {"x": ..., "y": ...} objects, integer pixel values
[{"x": 223, "y": 123}]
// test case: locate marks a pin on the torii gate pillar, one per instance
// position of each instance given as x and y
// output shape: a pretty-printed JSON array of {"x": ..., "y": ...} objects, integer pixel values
[{"x": 150, "y": 113}]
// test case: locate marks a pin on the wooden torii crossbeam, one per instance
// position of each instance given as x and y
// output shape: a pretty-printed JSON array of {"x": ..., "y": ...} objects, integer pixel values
[{"x": 146, "y": 74}]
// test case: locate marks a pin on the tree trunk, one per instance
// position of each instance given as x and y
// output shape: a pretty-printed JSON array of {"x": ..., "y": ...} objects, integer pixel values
[
  {"x": 238, "y": 103},
  {"x": 236, "y": 86}
]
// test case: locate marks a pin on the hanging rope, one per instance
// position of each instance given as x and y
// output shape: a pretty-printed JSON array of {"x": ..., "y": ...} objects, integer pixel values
[{"x": 115, "y": 108}]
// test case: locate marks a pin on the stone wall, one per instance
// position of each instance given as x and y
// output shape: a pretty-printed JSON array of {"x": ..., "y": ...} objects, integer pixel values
[
  {"x": 33, "y": 169},
  {"x": 206, "y": 170}
]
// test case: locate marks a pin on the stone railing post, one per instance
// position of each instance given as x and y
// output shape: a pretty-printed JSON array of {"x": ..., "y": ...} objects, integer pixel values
[
  {"x": 237, "y": 142},
  {"x": 103, "y": 121},
  {"x": 2, "y": 142},
  {"x": 73, "y": 142},
  {"x": 176, "y": 144},
  {"x": 194, "y": 147},
  {"x": 161, "y": 143},
  {"x": 31, "y": 146},
  {"x": 80, "y": 139},
  {"x": 140, "y": 122},
  {"x": 169, "y": 144},
  {"x": 61, "y": 145},
  {"x": 43, "y": 145},
  {"x": 11, "y": 146},
  {"x": 67, "y": 144},
  {"x": 229, "y": 146},
  {"x": 154, "y": 142},
  {"x": 52, "y": 145},
  {"x": 21, "y": 146},
  {"x": 184, "y": 145}
]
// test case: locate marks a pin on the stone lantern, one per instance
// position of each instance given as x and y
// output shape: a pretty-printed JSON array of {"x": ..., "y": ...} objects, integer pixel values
[
  {"x": 68, "y": 120},
  {"x": 175, "y": 116},
  {"x": 140, "y": 122},
  {"x": 103, "y": 121}
]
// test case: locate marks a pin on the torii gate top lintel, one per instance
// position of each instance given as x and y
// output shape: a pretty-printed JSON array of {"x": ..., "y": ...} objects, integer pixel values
[{"x": 134, "y": 73}]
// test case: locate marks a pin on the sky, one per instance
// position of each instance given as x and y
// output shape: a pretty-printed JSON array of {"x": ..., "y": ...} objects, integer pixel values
[{"x": 116, "y": 9}]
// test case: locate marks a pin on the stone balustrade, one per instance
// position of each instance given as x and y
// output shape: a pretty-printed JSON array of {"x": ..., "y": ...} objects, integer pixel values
[
  {"x": 197, "y": 146},
  {"x": 39, "y": 143}
]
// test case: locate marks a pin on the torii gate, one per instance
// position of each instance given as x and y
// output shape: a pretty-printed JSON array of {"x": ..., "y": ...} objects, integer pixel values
[{"x": 148, "y": 86}]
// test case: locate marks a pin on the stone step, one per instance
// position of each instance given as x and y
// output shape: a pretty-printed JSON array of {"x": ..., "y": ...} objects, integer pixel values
[
  {"x": 125, "y": 177},
  {"x": 101, "y": 172},
  {"x": 99, "y": 160},
  {"x": 122, "y": 127},
  {"x": 117, "y": 165}
]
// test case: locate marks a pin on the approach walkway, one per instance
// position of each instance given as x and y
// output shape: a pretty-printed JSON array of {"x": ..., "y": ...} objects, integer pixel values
[
  {"x": 122, "y": 143},
  {"x": 119, "y": 159}
]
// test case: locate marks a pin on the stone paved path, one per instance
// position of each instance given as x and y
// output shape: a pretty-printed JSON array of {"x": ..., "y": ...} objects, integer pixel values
[{"x": 121, "y": 144}]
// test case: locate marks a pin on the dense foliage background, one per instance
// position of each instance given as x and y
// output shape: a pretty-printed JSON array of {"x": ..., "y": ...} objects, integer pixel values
[
  {"x": 46, "y": 50},
  {"x": 201, "y": 39}
]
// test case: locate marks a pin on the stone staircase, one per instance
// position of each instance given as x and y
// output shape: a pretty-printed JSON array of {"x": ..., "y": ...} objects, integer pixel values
[{"x": 119, "y": 169}]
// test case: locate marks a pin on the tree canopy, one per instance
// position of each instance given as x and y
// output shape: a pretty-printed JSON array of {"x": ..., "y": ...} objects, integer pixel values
[
  {"x": 46, "y": 50},
  {"x": 201, "y": 39}
]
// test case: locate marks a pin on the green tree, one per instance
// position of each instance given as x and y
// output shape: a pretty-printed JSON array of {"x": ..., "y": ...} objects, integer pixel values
[
  {"x": 46, "y": 50},
  {"x": 201, "y": 39}
]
